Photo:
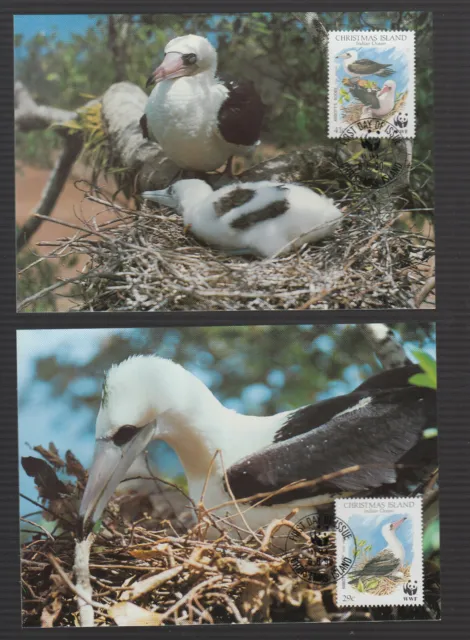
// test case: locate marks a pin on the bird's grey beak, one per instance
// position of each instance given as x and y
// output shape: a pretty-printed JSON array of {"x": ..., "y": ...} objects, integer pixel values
[
  {"x": 108, "y": 469},
  {"x": 171, "y": 67},
  {"x": 396, "y": 524},
  {"x": 342, "y": 55},
  {"x": 162, "y": 197}
]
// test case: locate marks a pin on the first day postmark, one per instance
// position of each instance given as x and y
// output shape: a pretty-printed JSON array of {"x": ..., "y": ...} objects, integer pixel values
[
  {"x": 311, "y": 549},
  {"x": 371, "y": 75},
  {"x": 388, "y": 552}
]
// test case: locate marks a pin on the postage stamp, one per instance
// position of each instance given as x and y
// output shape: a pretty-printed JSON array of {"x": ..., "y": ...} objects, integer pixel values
[
  {"x": 388, "y": 552},
  {"x": 371, "y": 75}
]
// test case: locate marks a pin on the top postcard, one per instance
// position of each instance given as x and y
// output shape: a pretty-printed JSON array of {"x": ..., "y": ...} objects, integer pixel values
[{"x": 212, "y": 162}]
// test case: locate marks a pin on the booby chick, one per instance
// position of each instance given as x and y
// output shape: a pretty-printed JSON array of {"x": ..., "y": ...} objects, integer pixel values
[
  {"x": 363, "y": 67},
  {"x": 225, "y": 454},
  {"x": 199, "y": 120},
  {"x": 388, "y": 561},
  {"x": 263, "y": 218}
]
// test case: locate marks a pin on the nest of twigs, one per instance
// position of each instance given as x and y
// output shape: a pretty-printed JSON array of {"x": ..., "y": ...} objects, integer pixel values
[
  {"x": 145, "y": 260},
  {"x": 355, "y": 110},
  {"x": 148, "y": 571}
]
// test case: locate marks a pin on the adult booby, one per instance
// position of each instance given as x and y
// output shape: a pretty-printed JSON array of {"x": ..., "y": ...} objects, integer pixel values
[
  {"x": 388, "y": 561},
  {"x": 363, "y": 67},
  {"x": 227, "y": 455},
  {"x": 199, "y": 120},
  {"x": 386, "y": 100},
  {"x": 263, "y": 218}
]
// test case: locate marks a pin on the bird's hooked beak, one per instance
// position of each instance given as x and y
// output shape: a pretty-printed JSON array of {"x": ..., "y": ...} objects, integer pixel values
[
  {"x": 108, "y": 468},
  {"x": 398, "y": 523},
  {"x": 342, "y": 55},
  {"x": 162, "y": 197},
  {"x": 172, "y": 67},
  {"x": 385, "y": 89}
]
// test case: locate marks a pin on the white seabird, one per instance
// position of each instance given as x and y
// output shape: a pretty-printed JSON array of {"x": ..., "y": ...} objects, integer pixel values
[
  {"x": 386, "y": 100},
  {"x": 388, "y": 561},
  {"x": 363, "y": 67},
  {"x": 263, "y": 218},
  {"x": 199, "y": 120},
  {"x": 227, "y": 455}
]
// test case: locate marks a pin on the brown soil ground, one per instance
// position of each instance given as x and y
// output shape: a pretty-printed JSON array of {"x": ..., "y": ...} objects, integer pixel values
[{"x": 29, "y": 184}]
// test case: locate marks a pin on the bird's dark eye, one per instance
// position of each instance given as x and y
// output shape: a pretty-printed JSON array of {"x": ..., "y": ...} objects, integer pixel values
[
  {"x": 189, "y": 58},
  {"x": 124, "y": 435}
]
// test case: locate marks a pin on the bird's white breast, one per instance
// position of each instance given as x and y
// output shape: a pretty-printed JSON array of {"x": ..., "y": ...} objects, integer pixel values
[{"x": 182, "y": 117}]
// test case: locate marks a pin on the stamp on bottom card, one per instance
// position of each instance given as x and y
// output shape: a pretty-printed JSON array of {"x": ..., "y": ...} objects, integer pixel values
[{"x": 388, "y": 564}]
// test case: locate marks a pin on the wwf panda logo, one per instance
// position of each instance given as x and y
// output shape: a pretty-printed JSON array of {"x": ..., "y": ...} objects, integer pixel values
[
  {"x": 371, "y": 141},
  {"x": 410, "y": 588},
  {"x": 401, "y": 120}
]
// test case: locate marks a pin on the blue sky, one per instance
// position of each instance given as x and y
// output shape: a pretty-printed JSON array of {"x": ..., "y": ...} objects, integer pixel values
[
  {"x": 30, "y": 25},
  {"x": 368, "y": 527}
]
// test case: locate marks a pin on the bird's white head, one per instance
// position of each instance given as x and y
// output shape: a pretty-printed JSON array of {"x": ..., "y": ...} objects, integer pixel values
[
  {"x": 185, "y": 56},
  {"x": 389, "y": 530},
  {"x": 144, "y": 398},
  {"x": 182, "y": 195},
  {"x": 388, "y": 87},
  {"x": 350, "y": 56},
  {"x": 128, "y": 419}
]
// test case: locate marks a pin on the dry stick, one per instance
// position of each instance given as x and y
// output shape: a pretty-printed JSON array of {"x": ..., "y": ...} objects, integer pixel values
[
  {"x": 83, "y": 584},
  {"x": 76, "y": 589},
  {"x": 190, "y": 595},
  {"x": 59, "y": 175},
  {"x": 317, "y": 297},
  {"x": 35, "y": 524},
  {"x": 425, "y": 291},
  {"x": 229, "y": 489},
  {"x": 40, "y": 294},
  {"x": 73, "y": 226},
  {"x": 43, "y": 508},
  {"x": 298, "y": 484}
]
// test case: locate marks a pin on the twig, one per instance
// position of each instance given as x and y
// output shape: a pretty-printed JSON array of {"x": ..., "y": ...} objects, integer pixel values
[
  {"x": 83, "y": 584},
  {"x": 36, "y": 524},
  {"x": 425, "y": 291},
  {"x": 59, "y": 175}
]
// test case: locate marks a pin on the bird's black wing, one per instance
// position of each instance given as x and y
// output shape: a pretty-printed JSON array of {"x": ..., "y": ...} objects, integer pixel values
[
  {"x": 369, "y": 98},
  {"x": 315, "y": 415},
  {"x": 382, "y": 564},
  {"x": 364, "y": 65},
  {"x": 373, "y": 434},
  {"x": 241, "y": 114},
  {"x": 144, "y": 127}
]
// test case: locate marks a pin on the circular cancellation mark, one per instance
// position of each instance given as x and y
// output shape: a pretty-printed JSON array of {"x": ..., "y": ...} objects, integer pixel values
[
  {"x": 371, "y": 153},
  {"x": 311, "y": 549}
]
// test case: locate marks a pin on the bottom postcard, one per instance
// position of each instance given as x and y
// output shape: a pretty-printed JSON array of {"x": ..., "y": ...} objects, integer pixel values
[{"x": 204, "y": 475}]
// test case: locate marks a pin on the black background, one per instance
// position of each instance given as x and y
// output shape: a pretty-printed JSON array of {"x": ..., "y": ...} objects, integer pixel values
[{"x": 452, "y": 154}]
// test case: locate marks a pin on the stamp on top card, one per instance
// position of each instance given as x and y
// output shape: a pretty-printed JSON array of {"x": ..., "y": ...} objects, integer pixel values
[
  {"x": 388, "y": 553},
  {"x": 371, "y": 77}
]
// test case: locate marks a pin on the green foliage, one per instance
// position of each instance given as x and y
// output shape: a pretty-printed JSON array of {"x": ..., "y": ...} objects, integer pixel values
[
  {"x": 428, "y": 365},
  {"x": 431, "y": 538}
]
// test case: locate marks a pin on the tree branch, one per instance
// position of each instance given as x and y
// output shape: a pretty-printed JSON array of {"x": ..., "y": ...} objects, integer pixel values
[
  {"x": 30, "y": 116},
  {"x": 59, "y": 175},
  {"x": 123, "y": 105}
]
